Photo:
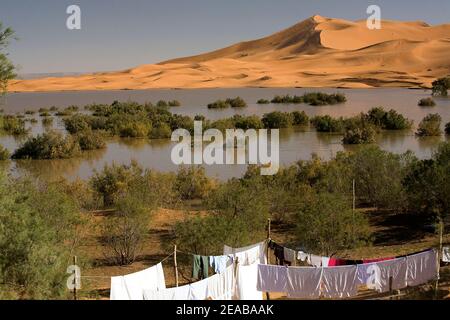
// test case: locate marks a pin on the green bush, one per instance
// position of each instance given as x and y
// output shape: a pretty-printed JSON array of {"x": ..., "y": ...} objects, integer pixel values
[
  {"x": 162, "y": 103},
  {"x": 47, "y": 122},
  {"x": 4, "y": 153},
  {"x": 427, "y": 102},
  {"x": 30, "y": 112},
  {"x": 277, "y": 120},
  {"x": 358, "y": 131},
  {"x": 43, "y": 110},
  {"x": 72, "y": 109},
  {"x": 192, "y": 183},
  {"x": 50, "y": 145},
  {"x": 219, "y": 104},
  {"x": 326, "y": 224},
  {"x": 388, "y": 120},
  {"x": 247, "y": 122},
  {"x": 328, "y": 124},
  {"x": 447, "y": 128},
  {"x": 237, "y": 102},
  {"x": 13, "y": 125},
  {"x": 161, "y": 131},
  {"x": 263, "y": 101},
  {"x": 45, "y": 114},
  {"x": 53, "y": 109},
  {"x": 441, "y": 86},
  {"x": 312, "y": 98},
  {"x": 300, "y": 118},
  {"x": 90, "y": 140},
  {"x": 39, "y": 226},
  {"x": 174, "y": 103},
  {"x": 77, "y": 123},
  {"x": 114, "y": 181},
  {"x": 430, "y": 125}
]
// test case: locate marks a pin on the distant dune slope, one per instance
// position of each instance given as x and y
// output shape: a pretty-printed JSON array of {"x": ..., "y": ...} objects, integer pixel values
[{"x": 317, "y": 52}]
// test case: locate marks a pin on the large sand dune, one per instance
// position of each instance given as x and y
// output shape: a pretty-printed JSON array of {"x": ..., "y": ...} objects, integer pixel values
[{"x": 317, "y": 52}]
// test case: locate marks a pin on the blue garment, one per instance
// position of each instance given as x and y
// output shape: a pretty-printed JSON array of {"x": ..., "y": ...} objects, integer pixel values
[{"x": 219, "y": 263}]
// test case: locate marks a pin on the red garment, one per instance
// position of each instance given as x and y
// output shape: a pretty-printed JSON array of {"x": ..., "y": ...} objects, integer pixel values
[
  {"x": 334, "y": 262},
  {"x": 376, "y": 260}
]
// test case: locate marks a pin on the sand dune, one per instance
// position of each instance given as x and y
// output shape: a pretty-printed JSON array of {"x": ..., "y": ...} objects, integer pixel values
[{"x": 317, "y": 52}]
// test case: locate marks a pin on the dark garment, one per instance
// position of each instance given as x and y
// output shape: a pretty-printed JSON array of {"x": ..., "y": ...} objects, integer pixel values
[
  {"x": 278, "y": 251},
  {"x": 200, "y": 267}
]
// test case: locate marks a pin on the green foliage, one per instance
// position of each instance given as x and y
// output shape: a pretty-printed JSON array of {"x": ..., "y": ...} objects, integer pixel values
[
  {"x": 427, "y": 102},
  {"x": 219, "y": 104},
  {"x": 161, "y": 131},
  {"x": 277, "y": 120},
  {"x": 50, "y": 145},
  {"x": 38, "y": 226},
  {"x": 263, "y": 101},
  {"x": 328, "y": 124},
  {"x": 428, "y": 185},
  {"x": 358, "y": 131},
  {"x": 247, "y": 122},
  {"x": 430, "y": 125},
  {"x": 447, "y": 128},
  {"x": 312, "y": 98},
  {"x": 326, "y": 224},
  {"x": 237, "y": 102},
  {"x": 46, "y": 122},
  {"x": 7, "y": 69},
  {"x": 300, "y": 118},
  {"x": 13, "y": 125},
  {"x": 90, "y": 140},
  {"x": 77, "y": 123},
  {"x": 441, "y": 86},
  {"x": 124, "y": 231},
  {"x": 388, "y": 120},
  {"x": 174, "y": 103},
  {"x": 4, "y": 153},
  {"x": 114, "y": 181},
  {"x": 192, "y": 183}
]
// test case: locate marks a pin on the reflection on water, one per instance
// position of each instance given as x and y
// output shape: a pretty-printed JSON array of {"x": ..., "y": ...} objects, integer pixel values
[{"x": 295, "y": 144}]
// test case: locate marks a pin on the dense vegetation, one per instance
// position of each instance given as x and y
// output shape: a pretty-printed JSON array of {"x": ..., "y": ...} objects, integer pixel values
[
  {"x": 237, "y": 102},
  {"x": 313, "y": 198},
  {"x": 441, "y": 86},
  {"x": 7, "y": 69},
  {"x": 430, "y": 125},
  {"x": 312, "y": 98}
]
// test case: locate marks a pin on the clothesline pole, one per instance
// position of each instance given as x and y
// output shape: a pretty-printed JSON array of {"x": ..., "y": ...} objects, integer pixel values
[
  {"x": 175, "y": 264},
  {"x": 74, "y": 278},
  {"x": 267, "y": 249},
  {"x": 439, "y": 256}
]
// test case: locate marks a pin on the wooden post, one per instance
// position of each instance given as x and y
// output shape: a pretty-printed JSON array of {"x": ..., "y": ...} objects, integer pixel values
[
  {"x": 267, "y": 249},
  {"x": 175, "y": 264},
  {"x": 354, "y": 195},
  {"x": 439, "y": 256},
  {"x": 75, "y": 279}
]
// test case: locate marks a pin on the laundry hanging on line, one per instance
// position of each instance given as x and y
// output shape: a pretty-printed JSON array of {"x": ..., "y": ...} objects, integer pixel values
[
  {"x": 132, "y": 286},
  {"x": 248, "y": 255}
]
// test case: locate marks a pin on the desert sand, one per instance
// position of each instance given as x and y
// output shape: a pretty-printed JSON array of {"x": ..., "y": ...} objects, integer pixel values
[{"x": 317, "y": 52}]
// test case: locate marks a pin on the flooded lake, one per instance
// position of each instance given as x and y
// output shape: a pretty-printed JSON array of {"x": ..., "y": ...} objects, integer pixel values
[{"x": 295, "y": 144}]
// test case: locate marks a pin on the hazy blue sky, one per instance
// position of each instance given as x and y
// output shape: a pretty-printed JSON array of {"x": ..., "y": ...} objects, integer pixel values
[{"x": 118, "y": 34}]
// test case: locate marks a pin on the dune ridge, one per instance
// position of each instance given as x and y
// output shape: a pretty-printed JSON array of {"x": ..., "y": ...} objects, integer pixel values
[{"x": 317, "y": 52}]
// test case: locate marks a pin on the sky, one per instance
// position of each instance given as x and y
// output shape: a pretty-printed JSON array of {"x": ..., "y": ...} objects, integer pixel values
[{"x": 118, "y": 34}]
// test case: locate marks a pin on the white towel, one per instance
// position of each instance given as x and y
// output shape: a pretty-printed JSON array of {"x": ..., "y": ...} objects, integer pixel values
[
  {"x": 248, "y": 255},
  {"x": 221, "y": 286},
  {"x": 118, "y": 289}
]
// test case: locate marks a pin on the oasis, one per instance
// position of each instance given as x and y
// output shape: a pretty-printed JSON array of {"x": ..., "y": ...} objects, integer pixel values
[{"x": 233, "y": 151}]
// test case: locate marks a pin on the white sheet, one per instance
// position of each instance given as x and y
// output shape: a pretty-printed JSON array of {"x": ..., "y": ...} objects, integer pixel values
[
  {"x": 221, "y": 286},
  {"x": 248, "y": 255},
  {"x": 118, "y": 289},
  {"x": 246, "y": 283},
  {"x": 149, "y": 279},
  {"x": 376, "y": 275},
  {"x": 339, "y": 282},
  {"x": 272, "y": 278},
  {"x": 304, "y": 282},
  {"x": 422, "y": 268}
]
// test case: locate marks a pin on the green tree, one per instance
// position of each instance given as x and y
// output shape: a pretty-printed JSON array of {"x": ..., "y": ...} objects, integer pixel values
[
  {"x": 441, "y": 86},
  {"x": 326, "y": 225},
  {"x": 430, "y": 125},
  {"x": 6, "y": 67}
]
